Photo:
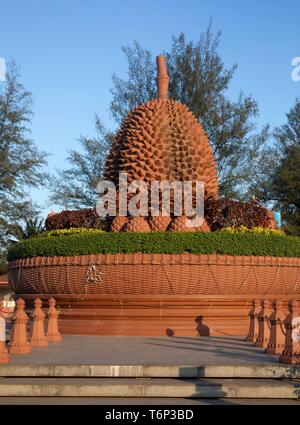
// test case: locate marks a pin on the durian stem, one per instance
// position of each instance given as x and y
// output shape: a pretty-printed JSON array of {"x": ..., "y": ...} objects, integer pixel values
[{"x": 162, "y": 78}]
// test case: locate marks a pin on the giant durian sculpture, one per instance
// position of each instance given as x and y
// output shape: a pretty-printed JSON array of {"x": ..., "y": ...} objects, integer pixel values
[{"x": 161, "y": 140}]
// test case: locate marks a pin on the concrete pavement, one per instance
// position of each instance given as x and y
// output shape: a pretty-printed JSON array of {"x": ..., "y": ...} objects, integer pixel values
[
  {"x": 106, "y": 350},
  {"x": 109, "y": 370}
]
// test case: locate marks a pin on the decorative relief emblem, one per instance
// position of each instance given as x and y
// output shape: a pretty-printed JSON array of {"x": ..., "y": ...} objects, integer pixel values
[{"x": 93, "y": 275}]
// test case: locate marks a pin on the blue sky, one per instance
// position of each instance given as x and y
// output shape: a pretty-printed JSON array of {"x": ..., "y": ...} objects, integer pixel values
[{"x": 68, "y": 50}]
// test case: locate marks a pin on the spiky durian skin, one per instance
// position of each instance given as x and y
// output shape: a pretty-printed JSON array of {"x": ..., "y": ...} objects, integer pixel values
[
  {"x": 179, "y": 224},
  {"x": 159, "y": 223},
  {"x": 118, "y": 223},
  {"x": 162, "y": 140},
  {"x": 137, "y": 224}
]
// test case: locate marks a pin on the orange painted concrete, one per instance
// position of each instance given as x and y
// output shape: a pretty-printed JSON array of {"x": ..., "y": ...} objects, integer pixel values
[
  {"x": 153, "y": 316},
  {"x": 156, "y": 294}
]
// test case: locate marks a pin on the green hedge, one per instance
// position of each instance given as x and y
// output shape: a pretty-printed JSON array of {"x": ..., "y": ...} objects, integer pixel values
[{"x": 168, "y": 243}]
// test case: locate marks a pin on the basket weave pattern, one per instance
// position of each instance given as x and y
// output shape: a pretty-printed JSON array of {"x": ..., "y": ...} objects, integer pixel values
[{"x": 156, "y": 274}]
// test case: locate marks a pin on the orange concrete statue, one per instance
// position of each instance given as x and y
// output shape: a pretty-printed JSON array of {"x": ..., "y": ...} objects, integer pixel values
[
  {"x": 263, "y": 337},
  {"x": 19, "y": 343},
  {"x": 53, "y": 333},
  {"x": 161, "y": 140},
  {"x": 38, "y": 337},
  {"x": 253, "y": 327},
  {"x": 291, "y": 352},
  {"x": 4, "y": 356},
  {"x": 277, "y": 337}
]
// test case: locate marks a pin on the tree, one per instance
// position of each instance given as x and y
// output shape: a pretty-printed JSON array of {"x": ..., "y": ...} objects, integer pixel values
[
  {"x": 21, "y": 162},
  {"x": 282, "y": 183},
  {"x": 30, "y": 228},
  {"x": 199, "y": 79},
  {"x": 75, "y": 187}
]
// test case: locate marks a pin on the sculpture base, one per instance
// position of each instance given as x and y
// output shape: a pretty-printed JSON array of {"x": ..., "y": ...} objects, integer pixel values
[
  {"x": 20, "y": 349},
  {"x": 289, "y": 358},
  {"x": 171, "y": 315},
  {"x": 274, "y": 349}
]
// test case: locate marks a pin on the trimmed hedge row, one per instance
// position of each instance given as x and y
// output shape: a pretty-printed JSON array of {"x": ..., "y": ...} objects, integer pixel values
[{"x": 160, "y": 242}]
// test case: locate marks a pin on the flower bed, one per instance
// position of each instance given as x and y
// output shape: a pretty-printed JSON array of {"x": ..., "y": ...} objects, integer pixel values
[{"x": 223, "y": 243}]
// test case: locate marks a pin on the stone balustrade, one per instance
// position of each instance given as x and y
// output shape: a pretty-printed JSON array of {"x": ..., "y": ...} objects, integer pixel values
[
  {"x": 274, "y": 330},
  {"x": 34, "y": 330}
]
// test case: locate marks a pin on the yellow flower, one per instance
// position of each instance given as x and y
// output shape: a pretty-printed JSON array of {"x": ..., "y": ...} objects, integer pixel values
[
  {"x": 72, "y": 231},
  {"x": 256, "y": 230}
]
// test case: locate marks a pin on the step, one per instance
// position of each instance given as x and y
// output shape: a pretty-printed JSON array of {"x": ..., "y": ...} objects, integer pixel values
[
  {"x": 127, "y": 401},
  {"x": 265, "y": 371},
  {"x": 150, "y": 387}
]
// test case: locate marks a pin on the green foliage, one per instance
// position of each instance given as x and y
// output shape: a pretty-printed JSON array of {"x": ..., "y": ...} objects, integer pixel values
[
  {"x": 75, "y": 187},
  {"x": 71, "y": 231},
  {"x": 32, "y": 227},
  {"x": 21, "y": 164},
  {"x": 3, "y": 264},
  {"x": 282, "y": 183},
  {"x": 159, "y": 242},
  {"x": 286, "y": 188},
  {"x": 258, "y": 230}
]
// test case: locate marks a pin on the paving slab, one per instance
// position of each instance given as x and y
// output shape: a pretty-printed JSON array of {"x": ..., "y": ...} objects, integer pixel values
[{"x": 120, "y": 350}]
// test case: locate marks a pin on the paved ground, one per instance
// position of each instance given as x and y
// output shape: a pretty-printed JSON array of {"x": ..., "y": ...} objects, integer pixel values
[
  {"x": 102, "y": 350},
  {"x": 147, "y": 350}
]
